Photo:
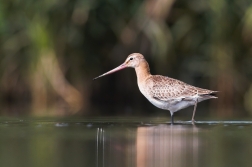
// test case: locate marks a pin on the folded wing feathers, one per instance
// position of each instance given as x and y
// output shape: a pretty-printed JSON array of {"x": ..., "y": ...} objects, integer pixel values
[{"x": 165, "y": 88}]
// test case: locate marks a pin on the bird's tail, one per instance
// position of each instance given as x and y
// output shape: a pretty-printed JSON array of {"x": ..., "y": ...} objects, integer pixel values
[{"x": 211, "y": 95}]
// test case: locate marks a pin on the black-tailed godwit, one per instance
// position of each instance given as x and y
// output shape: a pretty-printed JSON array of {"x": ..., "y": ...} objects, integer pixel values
[{"x": 164, "y": 92}]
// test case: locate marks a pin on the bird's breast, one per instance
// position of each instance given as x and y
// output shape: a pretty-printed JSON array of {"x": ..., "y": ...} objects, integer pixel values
[{"x": 144, "y": 89}]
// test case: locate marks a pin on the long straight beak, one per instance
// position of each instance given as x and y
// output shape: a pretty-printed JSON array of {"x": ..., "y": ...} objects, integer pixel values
[{"x": 122, "y": 66}]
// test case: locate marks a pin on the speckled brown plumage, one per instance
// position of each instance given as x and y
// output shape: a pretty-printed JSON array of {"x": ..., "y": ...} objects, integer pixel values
[
  {"x": 164, "y": 92},
  {"x": 165, "y": 88}
]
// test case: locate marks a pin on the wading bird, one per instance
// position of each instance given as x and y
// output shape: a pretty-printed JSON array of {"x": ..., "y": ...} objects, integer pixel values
[{"x": 164, "y": 92}]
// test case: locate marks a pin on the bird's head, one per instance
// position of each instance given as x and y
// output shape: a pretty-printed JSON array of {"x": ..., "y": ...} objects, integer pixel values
[{"x": 133, "y": 60}]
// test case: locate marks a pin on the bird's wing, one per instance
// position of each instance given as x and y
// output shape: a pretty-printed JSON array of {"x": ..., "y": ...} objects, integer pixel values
[{"x": 165, "y": 88}]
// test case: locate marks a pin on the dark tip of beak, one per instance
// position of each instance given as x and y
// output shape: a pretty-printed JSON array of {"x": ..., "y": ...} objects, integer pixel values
[
  {"x": 112, "y": 71},
  {"x": 95, "y": 78}
]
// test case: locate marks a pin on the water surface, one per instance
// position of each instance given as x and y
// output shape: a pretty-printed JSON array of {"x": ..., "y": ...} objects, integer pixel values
[{"x": 121, "y": 142}]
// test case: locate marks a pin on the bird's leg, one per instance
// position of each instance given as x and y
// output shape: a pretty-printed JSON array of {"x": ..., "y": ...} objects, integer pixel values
[
  {"x": 171, "y": 118},
  {"x": 194, "y": 110}
]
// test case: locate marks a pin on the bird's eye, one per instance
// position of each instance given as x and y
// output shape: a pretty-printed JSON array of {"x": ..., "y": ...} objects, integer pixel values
[{"x": 131, "y": 58}]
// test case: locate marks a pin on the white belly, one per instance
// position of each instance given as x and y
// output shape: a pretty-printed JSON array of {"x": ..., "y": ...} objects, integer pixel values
[{"x": 171, "y": 105}]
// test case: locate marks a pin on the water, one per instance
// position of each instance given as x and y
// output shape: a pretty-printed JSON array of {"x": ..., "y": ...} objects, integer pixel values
[{"x": 124, "y": 142}]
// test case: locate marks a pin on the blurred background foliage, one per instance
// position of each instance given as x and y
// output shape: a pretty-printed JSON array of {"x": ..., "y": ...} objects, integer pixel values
[{"x": 50, "y": 50}]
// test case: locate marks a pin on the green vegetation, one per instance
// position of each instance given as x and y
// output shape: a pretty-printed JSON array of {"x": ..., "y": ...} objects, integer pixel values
[{"x": 50, "y": 51}]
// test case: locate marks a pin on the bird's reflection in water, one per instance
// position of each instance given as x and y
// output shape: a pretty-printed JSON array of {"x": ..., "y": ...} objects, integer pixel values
[
  {"x": 161, "y": 145},
  {"x": 166, "y": 145}
]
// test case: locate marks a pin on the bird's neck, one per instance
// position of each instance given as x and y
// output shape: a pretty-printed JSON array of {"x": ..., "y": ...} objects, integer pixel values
[{"x": 142, "y": 71}]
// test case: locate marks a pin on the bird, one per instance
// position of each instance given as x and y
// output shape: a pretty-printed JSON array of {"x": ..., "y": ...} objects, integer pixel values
[{"x": 164, "y": 92}]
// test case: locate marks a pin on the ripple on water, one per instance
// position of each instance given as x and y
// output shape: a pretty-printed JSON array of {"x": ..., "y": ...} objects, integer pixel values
[{"x": 61, "y": 124}]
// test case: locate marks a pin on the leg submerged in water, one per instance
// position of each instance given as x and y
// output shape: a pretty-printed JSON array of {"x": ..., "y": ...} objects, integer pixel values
[{"x": 172, "y": 118}]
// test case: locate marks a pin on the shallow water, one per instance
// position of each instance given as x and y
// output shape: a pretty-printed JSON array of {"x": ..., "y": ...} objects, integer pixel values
[{"x": 121, "y": 142}]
